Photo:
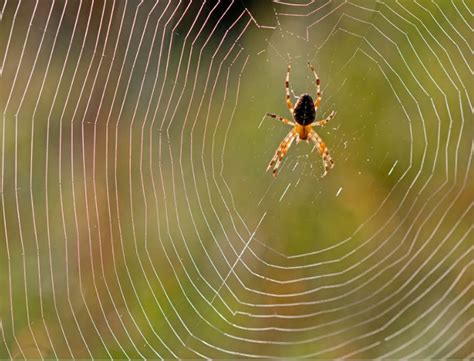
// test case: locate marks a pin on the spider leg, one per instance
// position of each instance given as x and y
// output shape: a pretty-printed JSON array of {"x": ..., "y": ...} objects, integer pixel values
[
  {"x": 323, "y": 150},
  {"x": 318, "y": 87},
  {"x": 287, "y": 87},
  {"x": 281, "y": 151},
  {"x": 323, "y": 122},
  {"x": 281, "y": 119}
]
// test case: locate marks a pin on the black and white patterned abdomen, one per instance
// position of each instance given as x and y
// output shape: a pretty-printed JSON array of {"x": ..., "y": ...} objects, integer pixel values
[{"x": 304, "y": 112}]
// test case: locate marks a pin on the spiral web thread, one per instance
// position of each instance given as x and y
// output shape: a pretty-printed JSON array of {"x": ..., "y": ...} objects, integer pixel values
[{"x": 124, "y": 234}]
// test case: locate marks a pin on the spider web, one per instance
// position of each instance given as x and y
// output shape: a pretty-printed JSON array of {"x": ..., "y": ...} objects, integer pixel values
[{"x": 138, "y": 221}]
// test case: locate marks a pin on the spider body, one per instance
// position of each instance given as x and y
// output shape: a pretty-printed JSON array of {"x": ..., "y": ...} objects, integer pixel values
[
  {"x": 304, "y": 115},
  {"x": 304, "y": 112}
]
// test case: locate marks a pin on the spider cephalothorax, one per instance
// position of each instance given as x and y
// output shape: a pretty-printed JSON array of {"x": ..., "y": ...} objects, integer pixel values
[{"x": 304, "y": 115}]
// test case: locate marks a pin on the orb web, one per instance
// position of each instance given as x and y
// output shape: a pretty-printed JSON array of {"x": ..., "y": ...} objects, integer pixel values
[{"x": 137, "y": 217}]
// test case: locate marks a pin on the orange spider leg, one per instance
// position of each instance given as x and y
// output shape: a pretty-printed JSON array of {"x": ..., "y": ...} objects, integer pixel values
[
  {"x": 281, "y": 119},
  {"x": 287, "y": 87},
  {"x": 318, "y": 87},
  {"x": 323, "y": 150},
  {"x": 323, "y": 122},
  {"x": 281, "y": 151}
]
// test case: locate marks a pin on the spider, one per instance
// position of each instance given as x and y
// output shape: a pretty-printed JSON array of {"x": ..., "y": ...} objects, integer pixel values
[{"x": 304, "y": 114}]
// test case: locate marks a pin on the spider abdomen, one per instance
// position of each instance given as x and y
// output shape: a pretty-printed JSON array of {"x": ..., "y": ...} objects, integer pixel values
[{"x": 304, "y": 111}]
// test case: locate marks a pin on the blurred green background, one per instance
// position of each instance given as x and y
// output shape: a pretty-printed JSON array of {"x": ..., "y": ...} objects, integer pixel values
[{"x": 138, "y": 220}]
